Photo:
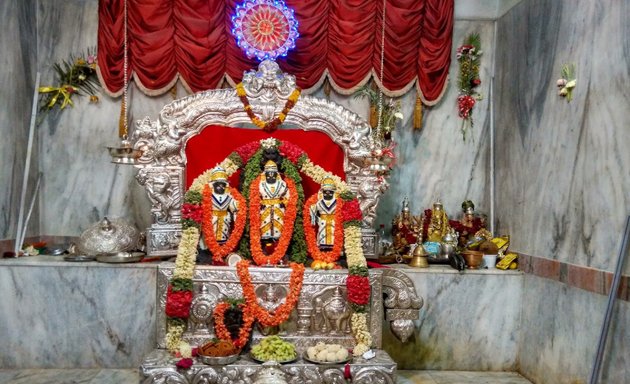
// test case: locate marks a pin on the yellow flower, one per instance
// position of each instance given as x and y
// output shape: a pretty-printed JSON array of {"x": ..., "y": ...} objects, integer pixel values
[{"x": 240, "y": 90}]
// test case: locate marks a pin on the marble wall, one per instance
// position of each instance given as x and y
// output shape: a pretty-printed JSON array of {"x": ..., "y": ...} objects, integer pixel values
[
  {"x": 16, "y": 93},
  {"x": 563, "y": 190},
  {"x": 561, "y": 169},
  {"x": 75, "y": 315}
]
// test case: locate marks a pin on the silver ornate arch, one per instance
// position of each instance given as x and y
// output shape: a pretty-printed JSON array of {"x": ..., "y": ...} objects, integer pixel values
[{"x": 163, "y": 144}]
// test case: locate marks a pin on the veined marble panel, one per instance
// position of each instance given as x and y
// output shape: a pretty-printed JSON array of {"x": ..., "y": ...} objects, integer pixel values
[
  {"x": 57, "y": 314},
  {"x": 16, "y": 93},
  {"x": 562, "y": 331},
  {"x": 469, "y": 321},
  {"x": 563, "y": 189}
]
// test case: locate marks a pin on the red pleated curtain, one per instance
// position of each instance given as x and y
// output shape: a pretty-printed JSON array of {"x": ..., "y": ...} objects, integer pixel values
[{"x": 191, "y": 40}]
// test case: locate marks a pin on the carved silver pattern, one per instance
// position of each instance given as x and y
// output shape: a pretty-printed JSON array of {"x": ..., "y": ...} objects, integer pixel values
[
  {"x": 212, "y": 284},
  {"x": 159, "y": 367},
  {"x": 403, "y": 302},
  {"x": 163, "y": 142}
]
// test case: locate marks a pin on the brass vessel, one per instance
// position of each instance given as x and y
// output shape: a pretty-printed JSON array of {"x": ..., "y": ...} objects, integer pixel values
[{"x": 420, "y": 257}]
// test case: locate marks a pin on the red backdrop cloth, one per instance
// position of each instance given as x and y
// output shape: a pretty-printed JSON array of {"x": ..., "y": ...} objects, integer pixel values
[
  {"x": 340, "y": 39},
  {"x": 214, "y": 143}
]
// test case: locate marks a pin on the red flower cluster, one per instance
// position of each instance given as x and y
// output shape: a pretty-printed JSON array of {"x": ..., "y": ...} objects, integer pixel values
[
  {"x": 178, "y": 303},
  {"x": 192, "y": 212},
  {"x": 184, "y": 363},
  {"x": 291, "y": 151},
  {"x": 465, "y": 104},
  {"x": 352, "y": 211},
  {"x": 358, "y": 289},
  {"x": 246, "y": 151}
]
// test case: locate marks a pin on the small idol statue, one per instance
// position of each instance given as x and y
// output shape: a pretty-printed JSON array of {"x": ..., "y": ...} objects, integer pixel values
[
  {"x": 405, "y": 229},
  {"x": 469, "y": 224},
  {"x": 274, "y": 195},
  {"x": 224, "y": 206},
  {"x": 438, "y": 225},
  {"x": 323, "y": 215}
]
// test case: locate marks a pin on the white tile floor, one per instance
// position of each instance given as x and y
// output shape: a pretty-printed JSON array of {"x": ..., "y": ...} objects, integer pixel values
[{"x": 124, "y": 376}]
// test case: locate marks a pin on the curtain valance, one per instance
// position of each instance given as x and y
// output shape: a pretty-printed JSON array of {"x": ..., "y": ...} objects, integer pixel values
[{"x": 339, "y": 40}]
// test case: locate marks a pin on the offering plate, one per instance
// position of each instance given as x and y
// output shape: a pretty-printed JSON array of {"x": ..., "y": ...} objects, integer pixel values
[
  {"x": 347, "y": 359},
  {"x": 120, "y": 257},
  {"x": 218, "y": 360},
  {"x": 265, "y": 361}
]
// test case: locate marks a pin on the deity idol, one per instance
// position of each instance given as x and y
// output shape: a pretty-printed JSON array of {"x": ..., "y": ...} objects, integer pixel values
[
  {"x": 405, "y": 229},
  {"x": 323, "y": 215},
  {"x": 274, "y": 195},
  {"x": 439, "y": 225},
  {"x": 224, "y": 206}
]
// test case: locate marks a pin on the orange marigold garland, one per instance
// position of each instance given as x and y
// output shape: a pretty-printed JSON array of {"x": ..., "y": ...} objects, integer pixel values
[
  {"x": 219, "y": 251},
  {"x": 221, "y": 331},
  {"x": 271, "y": 125},
  {"x": 290, "y": 212},
  {"x": 282, "y": 313},
  {"x": 311, "y": 240}
]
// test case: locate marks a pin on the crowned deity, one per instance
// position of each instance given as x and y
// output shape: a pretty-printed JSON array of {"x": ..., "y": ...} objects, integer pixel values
[
  {"x": 323, "y": 215},
  {"x": 405, "y": 229},
  {"x": 274, "y": 195},
  {"x": 438, "y": 225},
  {"x": 224, "y": 206}
]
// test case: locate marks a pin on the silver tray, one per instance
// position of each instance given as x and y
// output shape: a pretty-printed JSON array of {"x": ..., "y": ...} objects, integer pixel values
[
  {"x": 79, "y": 258},
  {"x": 281, "y": 362},
  {"x": 121, "y": 257},
  {"x": 305, "y": 358},
  {"x": 218, "y": 360}
]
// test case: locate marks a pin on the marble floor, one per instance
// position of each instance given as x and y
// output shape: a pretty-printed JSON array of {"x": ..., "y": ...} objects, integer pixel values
[{"x": 123, "y": 376}]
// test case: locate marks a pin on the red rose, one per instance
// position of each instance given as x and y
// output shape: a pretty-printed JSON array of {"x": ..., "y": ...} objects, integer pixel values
[
  {"x": 352, "y": 211},
  {"x": 291, "y": 151},
  {"x": 178, "y": 303},
  {"x": 192, "y": 212},
  {"x": 358, "y": 289},
  {"x": 184, "y": 363},
  {"x": 247, "y": 151}
]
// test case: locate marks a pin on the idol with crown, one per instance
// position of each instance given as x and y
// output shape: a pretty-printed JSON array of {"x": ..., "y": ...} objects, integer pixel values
[{"x": 253, "y": 204}]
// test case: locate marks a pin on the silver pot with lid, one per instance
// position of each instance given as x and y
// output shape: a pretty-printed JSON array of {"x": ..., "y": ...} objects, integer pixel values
[{"x": 108, "y": 236}]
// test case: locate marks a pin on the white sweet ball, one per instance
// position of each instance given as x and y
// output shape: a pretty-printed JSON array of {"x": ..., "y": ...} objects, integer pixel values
[
  {"x": 321, "y": 356},
  {"x": 312, "y": 353},
  {"x": 342, "y": 354},
  {"x": 320, "y": 346},
  {"x": 331, "y": 357}
]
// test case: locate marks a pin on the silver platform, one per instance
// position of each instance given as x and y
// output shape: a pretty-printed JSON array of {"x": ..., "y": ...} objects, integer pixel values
[{"x": 159, "y": 367}]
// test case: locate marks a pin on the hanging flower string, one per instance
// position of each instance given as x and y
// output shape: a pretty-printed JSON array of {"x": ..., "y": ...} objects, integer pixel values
[
  {"x": 219, "y": 251},
  {"x": 255, "y": 224},
  {"x": 221, "y": 330},
  {"x": 468, "y": 57},
  {"x": 282, "y": 312},
  {"x": 332, "y": 255},
  {"x": 272, "y": 125}
]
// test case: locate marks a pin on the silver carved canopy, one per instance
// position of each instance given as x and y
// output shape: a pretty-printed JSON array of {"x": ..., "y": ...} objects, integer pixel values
[{"x": 163, "y": 142}]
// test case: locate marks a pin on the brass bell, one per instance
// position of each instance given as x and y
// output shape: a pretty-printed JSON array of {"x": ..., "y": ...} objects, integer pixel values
[{"x": 420, "y": 257}]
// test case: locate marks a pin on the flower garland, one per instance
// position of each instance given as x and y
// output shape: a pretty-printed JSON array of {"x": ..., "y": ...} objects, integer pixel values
[
  {"x": 311, "y": 241},
  {"x": 468, "y": 56},
  {"x": 219, "y": 251},
  {"x": 272, "y": 125},
  {"x": 221, "y": 330},
  {"x": 282, "y": 312},
  {"x": 249, "y": 156},
  {"x": 287, "y": 229}
]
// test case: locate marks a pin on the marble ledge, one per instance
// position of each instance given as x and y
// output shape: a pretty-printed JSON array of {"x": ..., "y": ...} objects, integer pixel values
[
  {"x": 447, "y": 269},
  {"x": 57, "y": 261}
]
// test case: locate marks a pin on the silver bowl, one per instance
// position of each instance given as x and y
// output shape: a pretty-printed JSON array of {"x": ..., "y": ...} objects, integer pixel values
[{"x": 218, "y": 360}]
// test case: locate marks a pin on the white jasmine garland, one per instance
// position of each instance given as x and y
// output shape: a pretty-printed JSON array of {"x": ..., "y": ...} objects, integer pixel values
[
  {"x": 185, "y": 350},
  {"x": 174, "y": 337},
  {"x": 187, "y": 254}
]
